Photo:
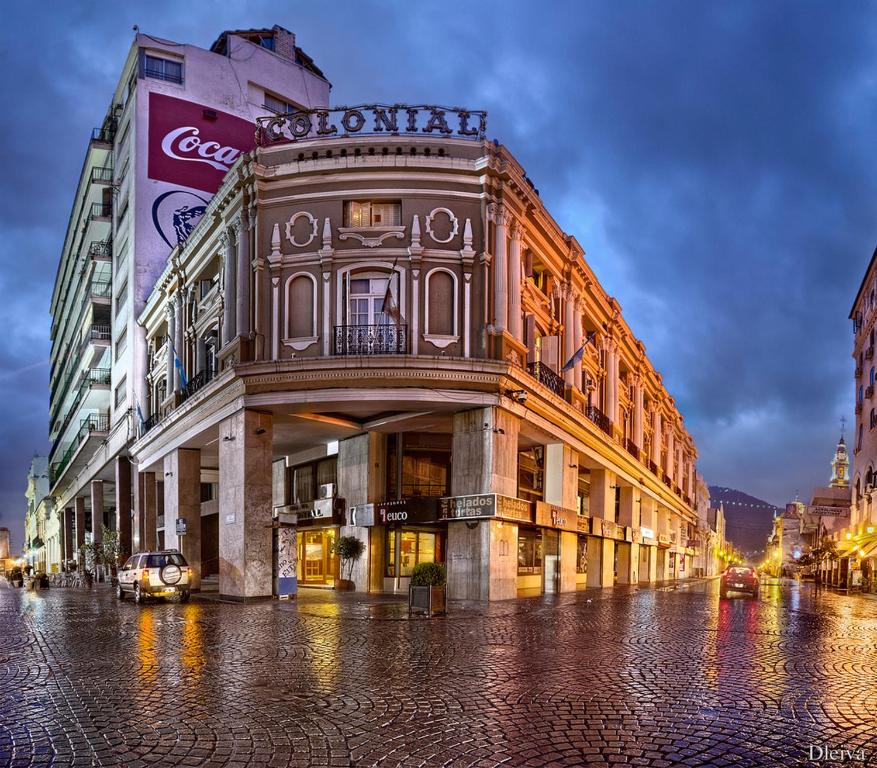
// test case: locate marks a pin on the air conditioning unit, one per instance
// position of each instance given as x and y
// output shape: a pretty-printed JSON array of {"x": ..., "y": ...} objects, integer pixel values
[{"x": 326, "y": 491}]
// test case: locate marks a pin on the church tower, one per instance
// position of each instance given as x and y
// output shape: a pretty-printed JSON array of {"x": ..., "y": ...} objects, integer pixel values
[{"x": 839, "y": 466}]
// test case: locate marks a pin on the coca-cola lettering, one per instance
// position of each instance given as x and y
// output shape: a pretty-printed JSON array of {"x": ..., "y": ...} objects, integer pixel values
[
  {"x": 193, "y": 146},
  {"x": 185, "y": 142}
]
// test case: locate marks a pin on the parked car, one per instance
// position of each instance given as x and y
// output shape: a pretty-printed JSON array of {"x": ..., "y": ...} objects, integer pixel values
[
  {"x": 739, "y": 578},
  {"x": 155, "y": 574}
]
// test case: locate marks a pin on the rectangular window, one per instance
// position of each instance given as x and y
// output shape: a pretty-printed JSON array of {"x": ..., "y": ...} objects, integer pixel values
[
  {"x": 121, "y": 343},
  {"x": 121, "y": 394},
  {"x": 121, "y": 296},
  {"x": 279, "y": 106},
  {"x": 414, "y": 547},
  {"x": 529, "y": 551},
  {"x": 163, "y": 69},
  {"x": 372, "y": 214}
]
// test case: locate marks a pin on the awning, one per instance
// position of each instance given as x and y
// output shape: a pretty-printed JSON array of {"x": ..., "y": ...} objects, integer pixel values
[{"x": 870, "y": 550}]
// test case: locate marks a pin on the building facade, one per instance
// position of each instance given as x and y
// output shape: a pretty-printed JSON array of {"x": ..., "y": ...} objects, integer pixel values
[
  {"x": 178, "y": 119},
  {"x": 378, "y": 327},
  {"x": 39, "y": 507}
]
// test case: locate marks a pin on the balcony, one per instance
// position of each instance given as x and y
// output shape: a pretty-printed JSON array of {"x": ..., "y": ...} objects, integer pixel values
[
  {"x": 631, "y": 447},
  {"x": 858, "y": 371},
  {"x": 101, "y": 212},
  {"x": 198, "y": 381},
  {"x": 599, "y": 418},
  {"x": 93, "y": 381},
  {"x": 96, "y": 425},
  {"x": 149, "y": 423},
  {"x": 653, "y": 467},
  {"x": 101, "y": 289},
  {"x": 546, "y": 377},
  {"x": 105, "y": 135},
  {"x": 371, "y": 340},
  {"x": 102, "y": 175},
  {"x": 101, "y": 250}
]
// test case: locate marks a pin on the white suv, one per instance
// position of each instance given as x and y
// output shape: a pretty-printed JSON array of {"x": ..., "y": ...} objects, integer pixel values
[{"x": 155, "y": 574}]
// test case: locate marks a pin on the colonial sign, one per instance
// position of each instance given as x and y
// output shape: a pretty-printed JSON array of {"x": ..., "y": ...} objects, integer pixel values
[
  {"x": 375, "y": 119},
  {"x": 552, "y": 516}
]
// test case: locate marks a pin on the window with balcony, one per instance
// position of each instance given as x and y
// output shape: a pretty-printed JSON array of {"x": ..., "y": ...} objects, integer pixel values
[
  {"x": 163, "y": 69},
  {"x": 372, "y": 214}
]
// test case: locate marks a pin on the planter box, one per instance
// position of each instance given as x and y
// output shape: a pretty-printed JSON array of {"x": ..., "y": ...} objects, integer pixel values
[
  {"x": 344, "y": 585},
  {"x": 428, "y": 600}
]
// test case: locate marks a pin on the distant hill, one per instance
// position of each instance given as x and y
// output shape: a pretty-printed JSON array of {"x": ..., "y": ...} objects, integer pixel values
[{"x": 748, "y": 520}]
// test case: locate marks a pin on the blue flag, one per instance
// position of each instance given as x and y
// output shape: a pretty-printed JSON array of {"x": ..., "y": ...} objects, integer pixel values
[
  {"x": 577, "y": 355},
  {"x": 178, "y": 364}
]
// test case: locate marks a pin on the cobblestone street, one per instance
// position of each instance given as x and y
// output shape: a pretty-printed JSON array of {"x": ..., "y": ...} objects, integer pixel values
[{"x": 649, "y": 677}]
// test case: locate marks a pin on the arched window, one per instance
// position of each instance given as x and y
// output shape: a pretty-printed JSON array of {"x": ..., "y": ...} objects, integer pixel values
[
  {"x": 440, "y": 312},
  {"x": 873, "y": 419},
  {"x": 859, "y": 439},
  {"x": 869, "y": 478},
  {"x": 861, "y": 393},
  {"x": 300, "y": 310},
  {"x": 872, "y": 375}
]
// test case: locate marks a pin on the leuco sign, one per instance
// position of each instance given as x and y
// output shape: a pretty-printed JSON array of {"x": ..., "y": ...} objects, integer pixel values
[
  {"x": 399, "y": 512},
  {"x": 375, "y": 119}
]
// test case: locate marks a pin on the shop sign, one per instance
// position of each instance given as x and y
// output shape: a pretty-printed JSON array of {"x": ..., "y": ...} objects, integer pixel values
[
  {"x": 361, "y": 514},
  {"x": 607, "y": 529},
  {"x": 552, "y": 516},
  {"x": 647, "y": 533},
  {"x": 416, "y": 510},
  {"x": 825, "y": 511},
  {"x": 664, "y": 539},
  {"x": 693, "y": 543},
  {"x": 583, "y": 524},
  {"x": 514, "y": 509},
  {"x": 477, "y": 506},
  {"x": 181, "y": 526},
  {"x": 380, "y": 119}
]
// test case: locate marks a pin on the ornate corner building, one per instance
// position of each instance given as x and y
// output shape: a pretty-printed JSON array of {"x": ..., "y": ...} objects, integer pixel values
[{"x": 377, "y": 326}]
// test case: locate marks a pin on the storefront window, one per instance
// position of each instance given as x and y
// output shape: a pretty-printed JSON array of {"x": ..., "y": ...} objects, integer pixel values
[
  {"x": 307, "y": 479},
  {"x": 317, "y": 561},
  {"x": 414, "y": 547},
  {"x": 425, "y": 467},
  {"x": 529, "y": 552},
  {"x": 531, "y": 467},
  {"x": 582, "y": 555}
]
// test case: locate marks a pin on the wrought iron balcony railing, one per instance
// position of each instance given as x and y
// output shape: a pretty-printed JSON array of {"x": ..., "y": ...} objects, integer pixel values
[
  {"x": 545, "y": 376},
  {"x": 101, "y": 250},
  {"x": 631, "y": 447},
  {"x": 371, "y": 339},
  {"x": 198, "y": 381},
  {"x": 101, "y": 210},
  {"x": 599, "y": 418},
  {"x": 102, "y": 175}
]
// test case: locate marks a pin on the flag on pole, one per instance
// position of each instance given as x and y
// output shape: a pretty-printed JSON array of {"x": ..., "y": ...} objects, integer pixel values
[
  {"x": 139, "y": 414},
  {"x": 577, "y": 355},
  {"x": 389, "y": 306},
  {"x": 178, "y": 364}
]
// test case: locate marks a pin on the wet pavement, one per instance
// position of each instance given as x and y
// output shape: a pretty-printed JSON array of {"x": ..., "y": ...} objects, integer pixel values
[{"x": 639, "y": 677}]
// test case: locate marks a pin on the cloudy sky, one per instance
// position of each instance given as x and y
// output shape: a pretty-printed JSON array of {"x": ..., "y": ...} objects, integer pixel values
[{"x": 714, "y": 160}]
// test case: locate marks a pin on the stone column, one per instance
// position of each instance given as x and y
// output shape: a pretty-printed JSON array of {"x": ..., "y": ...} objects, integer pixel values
[
  {"x": 603, "y": 506},
  {"x": 79, "y": 506},
  {"x": 182, "y": 499},
  {"x": 611, "y": 382},
  {"x": 69, "y": 535},
  {"x": 561, "y": 476},
  {"x": 97, "y": 510},
  {"x": 578, "y": 340},
  {"x": 171, "y": 335},
  {"x": 501, "y": 218},
  {"x": 482, "y": 559},
  {"x": 178, "y": 340},
  {"x": 569, "y": 337},
  {"x": 657, "y": 428},
  {"x": 200, "y": 355},
  {"x": 123, "y": 504},
  {"x": 229, "y": 286},
  {"x": 516, "y": 319},
  {"x": 242, "y": 276},
  {"x": 147, "y": 509},
  {"x": 671, "y": 454},
  {"x": 628, "y": 508},
  {"x": 245, "y": 457},
  {"x": 638, "y": 429}
]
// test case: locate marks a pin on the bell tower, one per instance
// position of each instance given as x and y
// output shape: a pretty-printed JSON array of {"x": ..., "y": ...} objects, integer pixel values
[{"x": 839, "y": 465}]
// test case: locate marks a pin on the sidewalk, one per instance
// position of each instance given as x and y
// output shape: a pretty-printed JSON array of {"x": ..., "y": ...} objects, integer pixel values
[{"x": 327, "y": 603}]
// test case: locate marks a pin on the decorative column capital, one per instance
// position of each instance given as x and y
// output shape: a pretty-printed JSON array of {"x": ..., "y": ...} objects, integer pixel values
[{"x": 516, "y": 229}]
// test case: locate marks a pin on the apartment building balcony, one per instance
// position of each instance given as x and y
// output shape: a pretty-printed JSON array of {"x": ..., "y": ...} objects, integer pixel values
[
  {"x": 547, "y": 378},
  {"x": 93, "y": 429},
  {"x": 101, "y": 251},
  {"x": 103, "y": 175},
  {"x": 95, "y": 340},
  {"x": 101, "y": 212},
  {"x": 91, "y": 394},
  {"x": 381, "y": 339},
  {"x": 631, "y": 447},
  {"x": 104, "y": 135},
  {"x": 869, "y": 352},
  {"x": 197, "y": 382},
  {"x": 858, "y": 371},
  {"x": 599, "y": 418}
]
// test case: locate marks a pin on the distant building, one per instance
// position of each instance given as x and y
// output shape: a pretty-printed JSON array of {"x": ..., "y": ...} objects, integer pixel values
[
  {"x": 39, "y": 504},
  {"x": 4, "y": 547}
]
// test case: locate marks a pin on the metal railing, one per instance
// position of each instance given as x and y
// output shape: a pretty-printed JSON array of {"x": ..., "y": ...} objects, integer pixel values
[
  {"x": 198, "y": 381},
  {"x": 371, "y": 339},
  {"x": 631, "y": 447},
  {"x": 92, "y": 377},
  {"x": 106, "y": 134},
  {"x": 599, "y": 418},
  {"x": 95, "y": 422},
  {"x": 96, "y": 333},
  {"x": 103, "y": 175},
  {"x": 101, "y": 250},
  {"x": 101, "y": 210},
  {"x": 101, "y": 289},
  {"x": 546, "y": 377}
]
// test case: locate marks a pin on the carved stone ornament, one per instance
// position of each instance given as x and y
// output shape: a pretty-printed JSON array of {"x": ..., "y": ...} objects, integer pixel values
[
  {"x": 345, "y": 233},
  {"x": 290, "y": 227},
  {"x": 455, "y": 224}
]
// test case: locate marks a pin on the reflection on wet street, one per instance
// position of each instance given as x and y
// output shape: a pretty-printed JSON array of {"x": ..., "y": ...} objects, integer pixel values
[{"x": 648, "y": 677}]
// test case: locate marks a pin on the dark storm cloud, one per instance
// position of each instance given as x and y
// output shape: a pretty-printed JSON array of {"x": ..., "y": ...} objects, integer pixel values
[{"x": 713, "y": 159}]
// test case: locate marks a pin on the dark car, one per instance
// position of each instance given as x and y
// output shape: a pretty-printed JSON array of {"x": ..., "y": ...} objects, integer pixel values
[{"x": 739, "y": 578}]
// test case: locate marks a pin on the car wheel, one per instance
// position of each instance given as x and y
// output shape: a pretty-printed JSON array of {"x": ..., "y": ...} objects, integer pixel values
[
  {"x": 120, "y": 593},
  {"x": 184, "y": 596},
  {"x": 139, "y": 597}
]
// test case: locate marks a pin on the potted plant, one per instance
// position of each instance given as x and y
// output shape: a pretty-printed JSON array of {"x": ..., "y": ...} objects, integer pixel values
[
  {"x": 427, "y": 591},
  {"x": 349, "y": 549}
]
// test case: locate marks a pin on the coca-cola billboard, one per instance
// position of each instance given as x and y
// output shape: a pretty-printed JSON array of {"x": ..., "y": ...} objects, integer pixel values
[{"x": 192, "y": 145}]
